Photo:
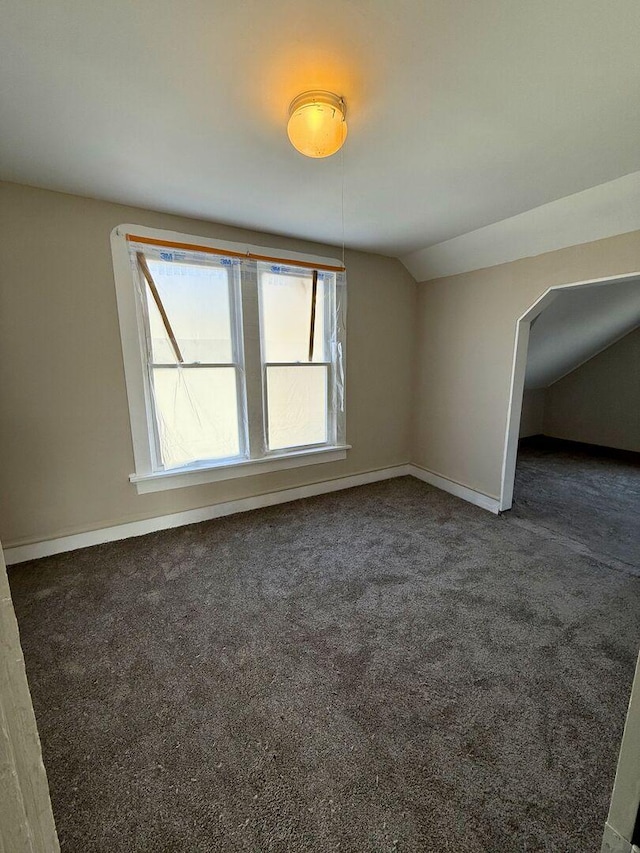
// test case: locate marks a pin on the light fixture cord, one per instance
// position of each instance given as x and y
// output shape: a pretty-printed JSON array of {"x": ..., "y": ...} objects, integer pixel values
[{"x": 342, "y": 170}]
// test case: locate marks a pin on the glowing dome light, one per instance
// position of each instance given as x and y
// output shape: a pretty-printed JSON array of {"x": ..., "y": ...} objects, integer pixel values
[{"x": 317, "y": 123}]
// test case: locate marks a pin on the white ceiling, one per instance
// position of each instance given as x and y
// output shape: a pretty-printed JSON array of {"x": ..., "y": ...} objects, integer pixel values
[
  {"x": 578, "y": 324},
  {"x": 460, "y": 113}
]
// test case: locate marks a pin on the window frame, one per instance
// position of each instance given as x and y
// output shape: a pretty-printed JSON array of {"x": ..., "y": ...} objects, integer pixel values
[
  {"x": 246, "y": 315},
  {"x": 329, "y": 313},
  {"x": 237, "y": 363}
]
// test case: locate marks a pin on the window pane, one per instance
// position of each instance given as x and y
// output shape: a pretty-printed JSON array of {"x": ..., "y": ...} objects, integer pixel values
[
  {"x": 297, "y": 406},
  {"x": 197, "y": 411},
  {"x": 286, "y": 316},
  {"x": 196, "y": 300}
]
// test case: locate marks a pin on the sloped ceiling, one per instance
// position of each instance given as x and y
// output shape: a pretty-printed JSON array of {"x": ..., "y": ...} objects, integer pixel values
[
  {"x": 460, "y": 113},
  {"x": 577, "y": 325}
]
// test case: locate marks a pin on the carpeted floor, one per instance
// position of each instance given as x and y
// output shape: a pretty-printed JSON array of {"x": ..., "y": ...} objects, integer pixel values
[
  {"x": 587, "y": 495},
  {"x": 380, "y": 669}
]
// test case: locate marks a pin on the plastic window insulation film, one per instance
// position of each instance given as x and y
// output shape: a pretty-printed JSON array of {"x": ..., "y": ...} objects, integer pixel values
[
  {"x": 199, "y": 404},
  {"x": 303, "y": 314}
]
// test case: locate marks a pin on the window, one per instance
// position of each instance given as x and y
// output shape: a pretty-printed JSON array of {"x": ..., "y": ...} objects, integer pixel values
[
  {"x": 234, "y": 359},
  {"x": 296, "y": 353}
]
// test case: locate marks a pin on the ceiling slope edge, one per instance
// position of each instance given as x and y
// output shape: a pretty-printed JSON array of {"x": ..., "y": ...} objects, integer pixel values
[{"x": 602, "y": 211}]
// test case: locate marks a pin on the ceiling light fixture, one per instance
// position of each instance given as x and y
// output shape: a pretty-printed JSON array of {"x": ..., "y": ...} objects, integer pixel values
[{"x": 317, "y": 123}]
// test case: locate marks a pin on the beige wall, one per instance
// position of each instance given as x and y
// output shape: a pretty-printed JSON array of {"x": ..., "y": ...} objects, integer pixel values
[
  {"x": 600, "y": 401},
  {"x": 466, "y": 333},
  {"x": 65, "y": 442},
  {"x": 532, "y": 418}
]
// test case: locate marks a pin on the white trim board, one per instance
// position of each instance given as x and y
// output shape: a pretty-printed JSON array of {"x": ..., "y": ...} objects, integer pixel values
[
  {"x": 21, "y": 553},
  {"x": 593, "y": 214},
  {"x": 162, "y": 480},
  {"x": 457, "y": 489}
]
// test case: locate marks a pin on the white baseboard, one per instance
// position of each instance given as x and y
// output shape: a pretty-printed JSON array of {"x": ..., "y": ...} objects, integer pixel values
[
  {"x": 464, "y": 492},
  {"x": 32, "y": 551},
  {"x": 35, "y": 550}
]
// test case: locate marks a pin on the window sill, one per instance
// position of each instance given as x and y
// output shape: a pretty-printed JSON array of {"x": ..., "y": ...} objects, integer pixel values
[{"x": 178, "y": 479}]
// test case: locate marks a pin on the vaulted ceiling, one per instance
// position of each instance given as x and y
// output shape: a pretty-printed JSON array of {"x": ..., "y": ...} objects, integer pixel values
[
  {"x": 578, "y": 324},
  {"x": 460, "y": 113}
]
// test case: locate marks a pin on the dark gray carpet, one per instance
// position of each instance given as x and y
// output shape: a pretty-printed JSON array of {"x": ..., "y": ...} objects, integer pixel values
[
  {"x": 585, "y": 494},
  {"x": 381, "y": 669}
]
